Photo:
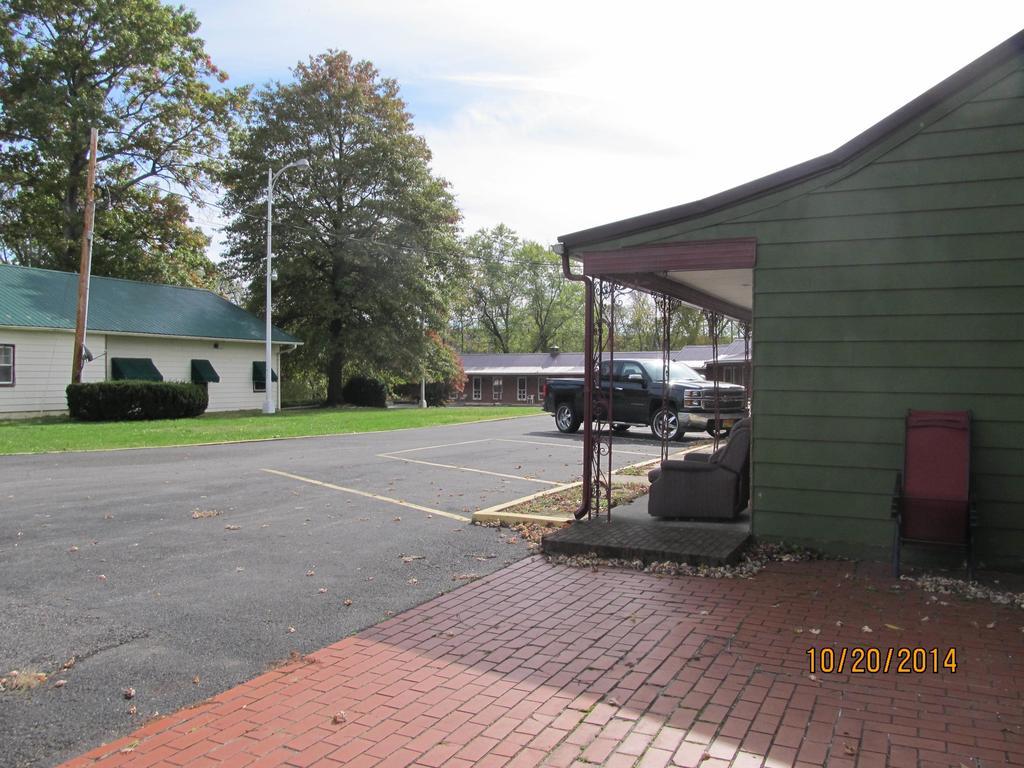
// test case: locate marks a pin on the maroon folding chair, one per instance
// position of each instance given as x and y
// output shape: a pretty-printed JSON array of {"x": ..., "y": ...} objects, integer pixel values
[{"x": 933, "y": 502}]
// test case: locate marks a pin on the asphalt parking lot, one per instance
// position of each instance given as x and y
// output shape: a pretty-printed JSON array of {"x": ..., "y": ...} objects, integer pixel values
[{"x": 180, "y": 572}]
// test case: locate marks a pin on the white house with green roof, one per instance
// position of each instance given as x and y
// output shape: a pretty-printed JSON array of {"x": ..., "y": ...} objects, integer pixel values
[{"x": 135, "y": 331}]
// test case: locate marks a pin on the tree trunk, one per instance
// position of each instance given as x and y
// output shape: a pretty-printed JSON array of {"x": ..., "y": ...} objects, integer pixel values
[
  {"x": 335, "y": 380},
  {"x": 72, "y": 223}
]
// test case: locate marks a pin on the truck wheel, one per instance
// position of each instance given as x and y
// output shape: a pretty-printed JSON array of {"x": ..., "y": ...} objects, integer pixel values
[
  {"x": 665, "y": 424},
  {"x": 566, "y": 418},
  {"x": 620, "y": 429}
]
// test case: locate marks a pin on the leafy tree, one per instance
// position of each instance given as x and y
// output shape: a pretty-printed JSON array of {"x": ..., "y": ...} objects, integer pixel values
[
  {"x": 551, "y": 303},
  {"x": 521, "y": 301},
  {"x": 136, "y": 71},
  {"x": 499, "y": 283},
  {"x": 365, "y": 240},
  {"x": 639, "y": 324}
]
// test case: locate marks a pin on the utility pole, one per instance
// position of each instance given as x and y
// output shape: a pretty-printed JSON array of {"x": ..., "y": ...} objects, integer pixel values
[{"x": 85, "y": 268}]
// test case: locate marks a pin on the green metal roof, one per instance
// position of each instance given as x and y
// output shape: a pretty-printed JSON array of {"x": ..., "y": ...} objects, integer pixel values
[{"x": 42, "y": 298}]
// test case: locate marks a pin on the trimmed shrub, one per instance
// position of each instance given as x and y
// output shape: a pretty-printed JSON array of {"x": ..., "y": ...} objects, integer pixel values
[
  {"x": 135, "y": 400},
  {"x": 361, "y": 390},
  {"x": 439, "y": 393}
]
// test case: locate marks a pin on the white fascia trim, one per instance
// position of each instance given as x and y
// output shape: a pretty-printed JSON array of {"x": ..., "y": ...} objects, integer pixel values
[{"x": 100, "y": 331}]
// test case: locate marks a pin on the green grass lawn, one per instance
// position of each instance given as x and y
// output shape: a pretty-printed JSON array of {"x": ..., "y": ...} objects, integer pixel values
[{"x": 60, "y": 434}]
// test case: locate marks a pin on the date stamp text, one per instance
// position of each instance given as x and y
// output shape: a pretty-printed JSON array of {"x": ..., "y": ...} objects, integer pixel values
[{"x": 858, "y": 660}]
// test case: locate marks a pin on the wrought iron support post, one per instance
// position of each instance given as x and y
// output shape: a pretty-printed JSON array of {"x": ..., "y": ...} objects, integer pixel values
[{"x": 588, "y": 379}]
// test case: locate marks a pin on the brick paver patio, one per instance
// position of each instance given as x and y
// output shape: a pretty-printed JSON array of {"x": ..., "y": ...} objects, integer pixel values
[{"x": 541, "y": 664}]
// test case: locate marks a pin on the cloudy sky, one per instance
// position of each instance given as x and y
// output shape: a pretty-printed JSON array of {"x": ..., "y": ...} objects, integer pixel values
[{"x": 556, "y": 116}]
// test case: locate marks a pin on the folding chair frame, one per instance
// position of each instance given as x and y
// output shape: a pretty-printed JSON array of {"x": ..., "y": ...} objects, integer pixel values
[{"x": 897, "y": 515}]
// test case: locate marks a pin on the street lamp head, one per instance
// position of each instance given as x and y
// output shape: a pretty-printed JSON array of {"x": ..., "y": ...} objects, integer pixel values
[{"x": 303, "y": 163}]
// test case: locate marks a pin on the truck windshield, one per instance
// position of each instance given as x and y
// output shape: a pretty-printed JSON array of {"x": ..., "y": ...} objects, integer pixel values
[{"x": 676, "y": 371}]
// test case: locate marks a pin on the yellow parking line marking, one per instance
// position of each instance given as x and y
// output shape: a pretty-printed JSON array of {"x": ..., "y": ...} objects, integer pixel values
[
  {"x": 445, "y": 445},
  {"x": 401, "y": 503},
  {"x": 575, "y": 446},
  {"x": 466, "y": 469}
]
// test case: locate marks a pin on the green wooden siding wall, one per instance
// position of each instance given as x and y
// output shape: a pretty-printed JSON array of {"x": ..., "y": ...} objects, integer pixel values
[{"x": 894, "y": 282}]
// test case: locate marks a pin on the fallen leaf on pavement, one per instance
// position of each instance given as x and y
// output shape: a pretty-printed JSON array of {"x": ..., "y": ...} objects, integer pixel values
[
  {"x": 866, "y": 628},
  {"x": 894, "y": 627},
  {"x": 311, "y": 572},
  {"x": 413, "y": 581},
  {"x": 410, "y": 558},
  {"x": 195, "y": 680},
  {"x": 346, "y": 602},
  {"x": 128, "y": 693},
  {"x": 815, "y": 631},
  {"x": 232, "y": 527},
  {"x": 72, "y": 548},
  {"x": 848, "y": 749},
  {"x": 322, "y": 590},
  {"x": 339, "y": 718},
  {"x": 60, "y": 683}
]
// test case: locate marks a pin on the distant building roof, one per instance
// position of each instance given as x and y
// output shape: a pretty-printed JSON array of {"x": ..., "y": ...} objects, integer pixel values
[
  {"x": 571, "y": 363},
  {"x": 43, "y": 298}
]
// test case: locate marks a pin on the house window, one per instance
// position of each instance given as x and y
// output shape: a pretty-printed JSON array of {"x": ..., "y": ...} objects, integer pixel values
[
  {"x": 521, "y": 389},
  {"x": 496, "y": 389},
  {"x": 259, "y": 376},
  {"x": 6, "y": 365},
  {"x": 477, "y": 388}
]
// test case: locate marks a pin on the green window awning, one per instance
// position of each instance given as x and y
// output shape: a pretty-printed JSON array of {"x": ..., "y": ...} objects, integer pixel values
[
  {"x": 203, "y": 372},
  {"x": 134, "y": 369},
  {"x": 259, "y": 374}
]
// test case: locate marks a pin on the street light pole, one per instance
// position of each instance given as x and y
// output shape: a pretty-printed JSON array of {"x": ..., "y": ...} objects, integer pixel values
[{"x": 269, "y": 406}]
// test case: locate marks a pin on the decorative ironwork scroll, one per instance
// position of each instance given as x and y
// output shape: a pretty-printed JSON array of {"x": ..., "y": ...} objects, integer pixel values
[
  {"x": 748, "y": 365},
  {"x": 716, "y": 324},
  {"x": 666, "y": 305},
  {"x": 601, "y": 362}
]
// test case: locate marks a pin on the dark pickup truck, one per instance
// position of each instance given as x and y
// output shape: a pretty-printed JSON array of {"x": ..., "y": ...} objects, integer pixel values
[{"x": 637, "y": 389}]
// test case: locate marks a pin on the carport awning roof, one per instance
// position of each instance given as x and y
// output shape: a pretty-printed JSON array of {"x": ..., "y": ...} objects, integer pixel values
[{"x": 716, "y": 275}]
